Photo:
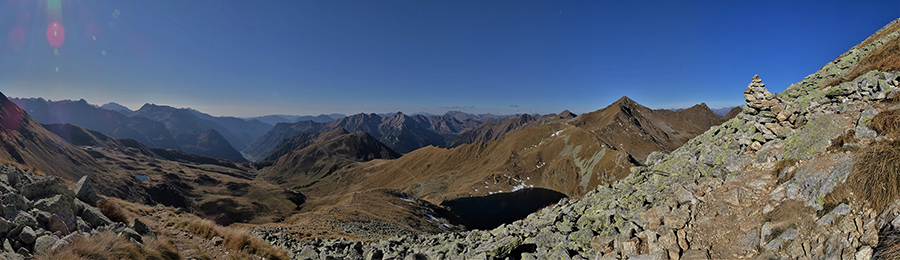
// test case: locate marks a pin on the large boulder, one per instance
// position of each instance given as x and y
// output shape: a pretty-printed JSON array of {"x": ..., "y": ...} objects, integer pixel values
[
  {"x": 141, "y": 228},
  {"x": 45, "y": 243},
  {"x": 61, "y": 207},
  {"x": 84, "y": 190},
  {"x": 93, "y": 216},
  {"x": 27, "y": 236},
  {"x": 45, "y": 188}
]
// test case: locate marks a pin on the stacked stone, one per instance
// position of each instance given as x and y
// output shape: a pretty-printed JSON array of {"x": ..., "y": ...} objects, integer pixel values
[{"x": 767, "y": 118}]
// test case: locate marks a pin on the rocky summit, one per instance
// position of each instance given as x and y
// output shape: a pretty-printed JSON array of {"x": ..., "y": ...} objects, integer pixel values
[{"x": 790, "y": 177}]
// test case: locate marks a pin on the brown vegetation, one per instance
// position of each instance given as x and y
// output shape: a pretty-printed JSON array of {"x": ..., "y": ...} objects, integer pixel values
[
  {"x": 881, "y": 34},
  {"x": 108, "y": 245},
  {"x": 876, "y": 174},
  {"x": 887, "y": 122},
  {"x": 238, "y": 241},
  {"x": 112, "y": 211},
  {"x": 885, "y": 58}
]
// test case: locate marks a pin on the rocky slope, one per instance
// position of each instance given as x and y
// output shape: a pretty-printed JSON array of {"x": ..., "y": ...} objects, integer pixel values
[
  {"x": 778, "y": 181},
  {"x": 42, "y": 214}
]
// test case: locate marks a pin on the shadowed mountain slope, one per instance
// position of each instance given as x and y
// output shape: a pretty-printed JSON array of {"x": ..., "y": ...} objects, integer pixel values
[
  {"x": 219, "y": 189},
  {"x": 211, "y": 143},
  {"x": 27, "y": 142},
  {"x": 315, "y": 156},
  {"x": 403, "y": 133},
  {"x": 115, "y": 124},
  {"x": 303, "y": 140},
  {"x": 493, "y": 131},
  {"x": 244, "y": 129},
  {"x": 181, "y": 121},
  {"x": 81, "y": 136}
]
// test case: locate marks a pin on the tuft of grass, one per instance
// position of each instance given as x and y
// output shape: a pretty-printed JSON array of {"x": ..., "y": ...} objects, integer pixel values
[
  {"x": 890, "y": 248},
  {"x": 884, "y": 58},
  {"x": 109, "y": 246},
  {"x": 876, "y": 175},
  {"x": 240, "y": 240},
  {"x": 887, "y": 122},
  {"x": 235, "y": 240},
  {"x": 112, "y": 210}
]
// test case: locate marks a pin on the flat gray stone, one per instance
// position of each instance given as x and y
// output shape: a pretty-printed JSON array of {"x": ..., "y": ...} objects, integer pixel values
[
  {"x": 45, "y": 243},
  {"x": 84, "y": 190}
]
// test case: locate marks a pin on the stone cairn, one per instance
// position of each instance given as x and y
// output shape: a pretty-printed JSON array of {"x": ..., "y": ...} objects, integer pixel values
[{"x": 766, "y": 116}]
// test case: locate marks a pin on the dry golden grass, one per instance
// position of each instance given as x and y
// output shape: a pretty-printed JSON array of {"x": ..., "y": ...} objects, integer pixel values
[
  {"x": 876, "y": 175},
  {"x": 887, "y": 122},
  {"x": 107, "y": 245},
  {"x": 890, "y": 248},
  {"x": 235, "y": 240},
  {"x": 885, "y": 58},
  {"x": 112, "y": 210},
  {"x": 878, "y": 35}
]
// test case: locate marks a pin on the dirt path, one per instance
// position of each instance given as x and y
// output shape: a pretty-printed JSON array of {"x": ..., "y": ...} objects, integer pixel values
[{"x": 189, "y": 245}]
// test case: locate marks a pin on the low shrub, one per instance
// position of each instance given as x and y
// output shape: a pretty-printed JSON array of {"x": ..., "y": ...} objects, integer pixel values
[{"x": 112, "y": 211}]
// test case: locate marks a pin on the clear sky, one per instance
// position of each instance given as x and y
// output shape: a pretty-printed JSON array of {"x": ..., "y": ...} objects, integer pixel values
[{"x": 248, "y": 58}]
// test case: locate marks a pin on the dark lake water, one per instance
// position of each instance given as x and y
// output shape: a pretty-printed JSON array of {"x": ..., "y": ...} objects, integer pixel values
[{"x": 491, "y": 211}]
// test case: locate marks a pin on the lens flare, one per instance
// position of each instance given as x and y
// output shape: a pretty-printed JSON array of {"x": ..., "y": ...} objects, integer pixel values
[
  {"x": 16, "y": 39},
  {"x": 56, "y": 34},
  {"x": 94, "y": 32},
  {"x": 54, "y": 10}
]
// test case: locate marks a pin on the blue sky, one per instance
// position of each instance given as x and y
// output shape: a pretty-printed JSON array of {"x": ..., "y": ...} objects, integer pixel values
[{"x": 248, "y": 58}]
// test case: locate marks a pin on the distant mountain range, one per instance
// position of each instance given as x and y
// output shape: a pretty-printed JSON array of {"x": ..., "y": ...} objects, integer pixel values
[
  {"x": 403, "y": 133},
  {"x": 275, "y": 119},
  {"x": 493, "y": 130},
  {"x": 563, "y": 152},
  {"x": 115, "y": 124},
  {"x": 155, "y": 126},
  {"x": 117, "y": 107}
]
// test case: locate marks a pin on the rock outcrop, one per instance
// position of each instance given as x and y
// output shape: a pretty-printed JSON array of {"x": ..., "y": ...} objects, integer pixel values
[{"x": 38, "y": 214}]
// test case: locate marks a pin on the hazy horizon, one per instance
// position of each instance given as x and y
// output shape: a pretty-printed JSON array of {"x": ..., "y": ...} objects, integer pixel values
[
  {"x": 134, "y": 108},
  {"x": 245, "y": 59}
]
